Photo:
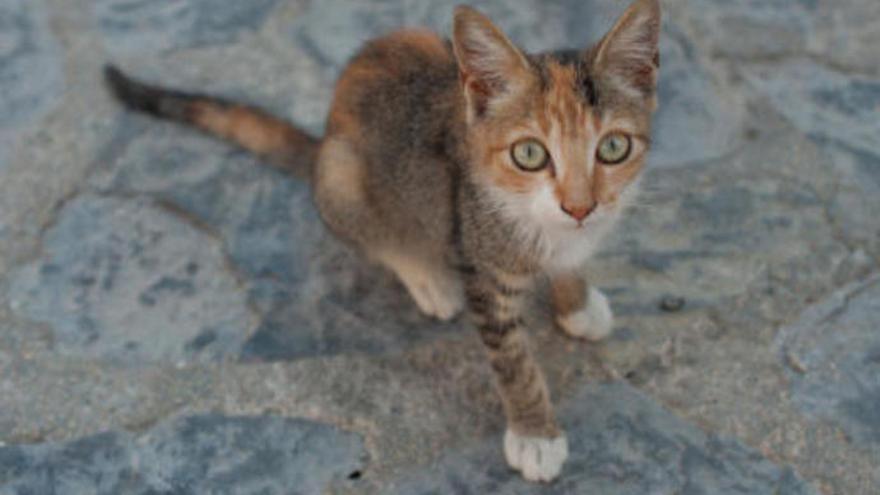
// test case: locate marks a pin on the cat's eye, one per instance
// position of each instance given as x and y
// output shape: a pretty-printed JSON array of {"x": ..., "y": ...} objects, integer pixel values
[
  {"x": 529, "y": 154},
  {"x": 614, "y": 148}
]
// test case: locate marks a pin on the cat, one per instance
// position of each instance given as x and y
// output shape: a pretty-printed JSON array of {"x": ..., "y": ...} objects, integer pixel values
[{"x": 469, "y": 168}]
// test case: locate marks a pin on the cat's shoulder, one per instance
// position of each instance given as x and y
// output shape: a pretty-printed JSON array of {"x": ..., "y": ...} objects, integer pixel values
[{"x": 400, "y": 46}]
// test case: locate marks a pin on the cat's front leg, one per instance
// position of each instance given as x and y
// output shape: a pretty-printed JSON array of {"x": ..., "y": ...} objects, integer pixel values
[
  {"x": 533, "y": 442},
  {"x": 582, "y": 311}
]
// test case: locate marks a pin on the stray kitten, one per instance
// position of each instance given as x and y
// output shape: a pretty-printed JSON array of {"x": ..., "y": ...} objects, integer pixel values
[{"x": 468, "y": 169}]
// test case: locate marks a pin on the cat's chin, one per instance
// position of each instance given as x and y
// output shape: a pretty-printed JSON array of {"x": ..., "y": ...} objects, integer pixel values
[{"x": 567, "y": 246}]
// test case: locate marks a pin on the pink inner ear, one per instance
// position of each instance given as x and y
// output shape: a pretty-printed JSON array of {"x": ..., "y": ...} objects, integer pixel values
[{"x": 480, "y": 94}]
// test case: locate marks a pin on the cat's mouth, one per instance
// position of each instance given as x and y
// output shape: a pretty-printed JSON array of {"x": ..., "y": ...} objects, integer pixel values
[{"x": 590, "y": 222}]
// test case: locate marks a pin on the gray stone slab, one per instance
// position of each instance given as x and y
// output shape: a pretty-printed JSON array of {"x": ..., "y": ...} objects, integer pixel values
[
  {"x": 853, "y": 209},
  {"x": 198, "y": 454},
  {"x": 821, "y": 101},
  {"x": 126, "y": 281},
  {"x": 316, "y": 296},
  {"x": 832, "y": 353},
  {"x": 755, "y": 28},
  {"x": 841, "y": 32},
  {"x": 621, "y": 443},
  {"x": 694, "y": 121},
  {"x": 144, "y": 26},
  {"x": 31, "y": 78}
]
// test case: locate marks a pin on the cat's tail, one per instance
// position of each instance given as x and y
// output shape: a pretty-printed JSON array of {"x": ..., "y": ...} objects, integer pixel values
[{"x": 279, "y": 142}]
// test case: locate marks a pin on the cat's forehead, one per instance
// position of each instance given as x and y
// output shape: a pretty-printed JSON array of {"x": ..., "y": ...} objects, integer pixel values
[
  {"x": 567, "y": 72},
  {"x": 570, "y": 95},
  {"x": 564, "y": 102}
]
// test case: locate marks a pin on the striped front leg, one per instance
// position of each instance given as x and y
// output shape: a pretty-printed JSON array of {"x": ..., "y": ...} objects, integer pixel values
[{"x": 533, "y": 442}]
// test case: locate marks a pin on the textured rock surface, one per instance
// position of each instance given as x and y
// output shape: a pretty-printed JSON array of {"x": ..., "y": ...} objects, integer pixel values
[
  {"x": 834, "y": 361},
  {"x": 125, "y": 281},
  {"x": 30, "y": 68},
  {"x": 620, "y": 443},
  {"x": 174, "y": 318},
  {"x": 195, "y": 454},
  {"x": 144, "y": 26}
]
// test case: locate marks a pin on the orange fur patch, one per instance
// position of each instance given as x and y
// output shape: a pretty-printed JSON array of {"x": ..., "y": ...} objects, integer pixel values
[{"x": 250, "y": 128}]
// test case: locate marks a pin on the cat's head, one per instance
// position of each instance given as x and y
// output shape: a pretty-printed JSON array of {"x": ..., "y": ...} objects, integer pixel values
[{"x": 558, "y": 139}]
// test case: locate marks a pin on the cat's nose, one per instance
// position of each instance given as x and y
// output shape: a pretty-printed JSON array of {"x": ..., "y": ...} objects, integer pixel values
[{"x": 578, "y": 212}]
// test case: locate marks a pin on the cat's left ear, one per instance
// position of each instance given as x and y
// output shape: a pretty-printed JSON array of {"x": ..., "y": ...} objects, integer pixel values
[
  {"x": 629, "y": 54},
  {"x": 492, "y": 68}
]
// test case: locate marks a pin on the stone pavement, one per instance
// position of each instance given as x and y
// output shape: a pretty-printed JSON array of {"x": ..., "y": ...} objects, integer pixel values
[{"x": 174, "y": 319}]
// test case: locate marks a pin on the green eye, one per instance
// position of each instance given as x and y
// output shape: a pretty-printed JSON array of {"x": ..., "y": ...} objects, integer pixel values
[
  {"x": 614, "y": 148},
  {"x": 529, "y": 154}
]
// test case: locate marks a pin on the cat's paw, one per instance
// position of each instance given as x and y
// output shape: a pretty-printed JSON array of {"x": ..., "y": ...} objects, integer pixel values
[
  {"x": 537, "y": 458},
  {"x": 593, "y": 322},
  {"x": 440, "y": 297}
]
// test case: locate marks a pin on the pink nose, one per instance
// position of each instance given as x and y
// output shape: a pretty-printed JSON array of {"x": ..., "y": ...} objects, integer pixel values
[{"x": 578, "y": 212}]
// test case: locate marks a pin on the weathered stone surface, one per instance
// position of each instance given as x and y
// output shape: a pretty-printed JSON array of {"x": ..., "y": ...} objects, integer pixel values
[
  {"x": 30, "y": 68},
  {"x": 847, "y": 34},
  {"x": 823, "y": 102},
  {"x": 839, "y": 113},
  {"x": 839, "y": 33},
  {"x": 832, "y": 353},
  {"x": 126, "y": 281},
  {"x": 695, "y": 121},
  {"x": 752, "y": 28},
  {"x": 198, "y": 454},
  {"x": 144, "y": 26},
  {"x": 620, "y": 442}
]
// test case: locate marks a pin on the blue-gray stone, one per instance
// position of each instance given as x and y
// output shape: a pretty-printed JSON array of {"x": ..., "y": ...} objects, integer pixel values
[
  {"x": 747, "y": 28},
  {"x": 725, "y": 208},
  {"x": 144, "y": 26},
  {"x": 691, "y": 124},
  {"x": 31, "y": 79},
  {"x": 836, "y": 346},
  {"x": 127, "y": 281},
  {"x": 822, "y": 102},
  {"x": 207, "y": 453},
  {"x": 621, "y": 443},
  {"x": 316, "y": 296}
]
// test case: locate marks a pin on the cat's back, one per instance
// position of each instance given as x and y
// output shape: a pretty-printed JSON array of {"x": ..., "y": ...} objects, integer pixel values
[
  {"x": 398, "y": 96},
  {"x": 392, "y": 138}
]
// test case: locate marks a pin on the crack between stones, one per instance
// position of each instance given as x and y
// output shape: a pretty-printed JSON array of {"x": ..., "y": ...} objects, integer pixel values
[
  {"x": 237, "y": 273},
  {"x": 847, "y": 298}
]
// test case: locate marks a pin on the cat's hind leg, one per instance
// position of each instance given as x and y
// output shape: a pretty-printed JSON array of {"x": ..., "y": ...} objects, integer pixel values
[
  {"x": 436, "y": 288},
  {"x": 346, "y": 207}
]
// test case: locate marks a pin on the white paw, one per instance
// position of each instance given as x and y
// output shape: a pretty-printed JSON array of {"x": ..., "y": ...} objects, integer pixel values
[
  {"x": 593, "y": 322},
  {"x": 437, "y": 297},
  {"x": 537, "y": 458}
]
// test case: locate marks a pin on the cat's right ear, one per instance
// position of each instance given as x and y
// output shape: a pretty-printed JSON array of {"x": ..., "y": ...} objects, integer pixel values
[{"x": 490, "y": 66}]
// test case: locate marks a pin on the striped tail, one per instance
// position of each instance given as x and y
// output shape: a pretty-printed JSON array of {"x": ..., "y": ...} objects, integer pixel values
[{"x": 279, "y": 142}]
